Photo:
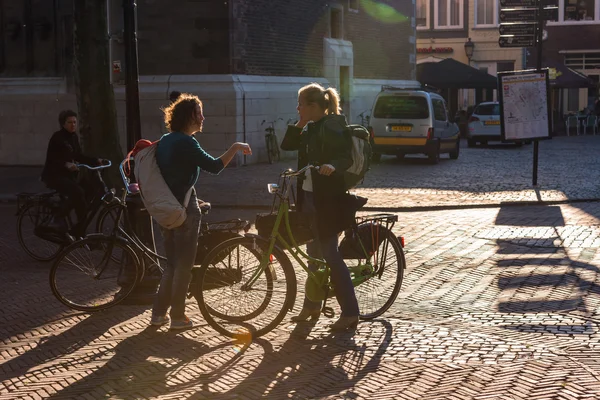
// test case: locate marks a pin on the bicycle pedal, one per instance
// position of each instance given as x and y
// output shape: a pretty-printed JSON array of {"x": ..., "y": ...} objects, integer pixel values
[{"x": 328, "y": 312}]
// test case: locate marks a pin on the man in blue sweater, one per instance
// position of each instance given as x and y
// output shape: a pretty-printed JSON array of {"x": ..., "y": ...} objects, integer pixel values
[{"x": 180, "y": 160}]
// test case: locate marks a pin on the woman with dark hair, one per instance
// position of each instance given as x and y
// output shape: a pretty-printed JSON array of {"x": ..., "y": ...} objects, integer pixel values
[
  {"x": 320, "y": 139},
  {"x": 60, "y": 171},
  {"x": 180, "y": 160}
]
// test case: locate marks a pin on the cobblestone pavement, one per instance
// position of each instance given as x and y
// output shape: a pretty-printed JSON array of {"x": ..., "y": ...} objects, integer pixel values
[
  {"x": 493, "y": 175},
  {"x": 497, "y": 303}
]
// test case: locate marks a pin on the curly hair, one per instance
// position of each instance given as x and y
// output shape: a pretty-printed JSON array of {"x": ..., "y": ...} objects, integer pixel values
[
  {"x": 180, "y": 114},
  {"x": 64, "y": 115}
]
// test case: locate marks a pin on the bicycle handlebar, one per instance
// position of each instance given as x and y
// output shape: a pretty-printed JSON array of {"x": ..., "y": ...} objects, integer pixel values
[
  {"x": 270, "y": 122},
  {"x": 290, "y": 173},
  {"x": 94, "y": 168}
]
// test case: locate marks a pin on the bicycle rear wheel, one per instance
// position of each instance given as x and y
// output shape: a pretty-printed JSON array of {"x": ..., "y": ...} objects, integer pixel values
[
  {"x": 31, "y": 218},
  {"x": 377, "y": 294},
  {"x": 269, "y": 143},
  {"x": 86, "y": 276},
  {"x": 231, "y": 308}
]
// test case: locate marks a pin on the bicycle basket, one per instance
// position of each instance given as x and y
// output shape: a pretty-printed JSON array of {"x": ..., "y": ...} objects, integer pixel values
[
  {"x": 371, "y": 236},
  {"x": 299, "y": 224}
]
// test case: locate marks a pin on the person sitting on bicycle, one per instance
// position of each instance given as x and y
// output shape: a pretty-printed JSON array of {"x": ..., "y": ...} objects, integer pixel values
[
  {"x": 60, "y": 170},
  {"x": 180, "y": 159},
  {"x": 320, "y": 140}
]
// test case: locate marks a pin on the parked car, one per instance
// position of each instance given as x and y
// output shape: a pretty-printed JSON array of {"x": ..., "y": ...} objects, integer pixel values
[
  {"x": 484, "y": 125},
  {"x": 412, "y": 121}
]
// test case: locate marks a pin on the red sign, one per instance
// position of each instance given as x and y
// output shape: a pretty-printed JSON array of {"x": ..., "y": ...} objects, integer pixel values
[{"x": 435, "y": 50}]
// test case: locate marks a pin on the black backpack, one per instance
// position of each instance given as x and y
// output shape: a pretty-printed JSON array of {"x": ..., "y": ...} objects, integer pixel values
[{"x": 361, "y": 154}]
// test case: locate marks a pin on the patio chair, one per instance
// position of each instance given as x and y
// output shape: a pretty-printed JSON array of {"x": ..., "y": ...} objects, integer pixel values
[
  {"x": 570, "y": 121},
  {"x": 593, "y": 121}
]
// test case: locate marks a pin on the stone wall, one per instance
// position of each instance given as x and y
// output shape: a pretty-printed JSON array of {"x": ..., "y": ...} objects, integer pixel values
[{"x": 234, "y": 106}]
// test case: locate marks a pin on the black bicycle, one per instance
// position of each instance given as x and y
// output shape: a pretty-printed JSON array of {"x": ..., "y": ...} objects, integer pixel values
[
  {"x": 101, "y": 270},
  {"x": 271, "y": 141},
  {"x": 44, "y": 220}
]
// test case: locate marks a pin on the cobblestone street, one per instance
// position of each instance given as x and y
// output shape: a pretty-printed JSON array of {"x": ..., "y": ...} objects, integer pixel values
[
  {"x": 497, "y": 303},
  {"x": 493, "y": 175}
]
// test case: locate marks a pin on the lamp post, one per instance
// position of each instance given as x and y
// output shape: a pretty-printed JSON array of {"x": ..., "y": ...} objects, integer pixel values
[{"x": 469, "y": 48}]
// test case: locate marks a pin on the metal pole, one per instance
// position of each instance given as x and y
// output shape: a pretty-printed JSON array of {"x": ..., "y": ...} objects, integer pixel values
[
  {"x": 139, "y": 217},
  {"x": 540, "y": 31},
  {"x": 132, "y": 90}
]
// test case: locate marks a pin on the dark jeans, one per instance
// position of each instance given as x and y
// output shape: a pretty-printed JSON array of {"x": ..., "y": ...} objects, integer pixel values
[
  {"x": 180, "y": 247},
  {"x": 327, "y": 248},
  {"x": 76, "y": 195}
]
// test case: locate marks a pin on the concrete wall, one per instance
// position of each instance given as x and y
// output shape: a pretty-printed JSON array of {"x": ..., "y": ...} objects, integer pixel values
[{"x": 29, "y": 108}]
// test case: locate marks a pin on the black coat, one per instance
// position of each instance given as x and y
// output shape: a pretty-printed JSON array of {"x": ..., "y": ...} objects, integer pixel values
[
  {"x": 325, "y": 142},
  {"x": 63, "y": 147}
]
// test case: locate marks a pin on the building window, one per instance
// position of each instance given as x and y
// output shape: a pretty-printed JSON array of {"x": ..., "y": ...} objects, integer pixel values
[
  {"x": 449, "y": 14},
  {"x": 353, "y": 5},
  {"x": 28, "y": 39},
  {"x": 578, "y": 12},
  {"x": 505, "y": 66},
  {"x": 336, "y": 23},
  {"x": 422, "y": 13},
  {"x": 486, "y": 12},
  {"x": 582, "y": 61}
]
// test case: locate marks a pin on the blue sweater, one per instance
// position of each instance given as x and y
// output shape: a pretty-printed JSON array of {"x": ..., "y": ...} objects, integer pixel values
[{"x": 180, "y": 159}]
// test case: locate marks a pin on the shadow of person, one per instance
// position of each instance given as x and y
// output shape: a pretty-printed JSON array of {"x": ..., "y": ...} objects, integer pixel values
[
  {"x": 53, "y": 347},
  {"x": 309, "y": 366},
  {"x": 155, "y": 363}
]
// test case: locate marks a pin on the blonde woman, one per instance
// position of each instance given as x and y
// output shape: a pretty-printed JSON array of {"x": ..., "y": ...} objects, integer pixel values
[{"x": 320, "y": 140}]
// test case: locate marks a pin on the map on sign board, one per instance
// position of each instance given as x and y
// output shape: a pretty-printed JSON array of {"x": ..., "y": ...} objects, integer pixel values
[{"x": 524, "y": 105}]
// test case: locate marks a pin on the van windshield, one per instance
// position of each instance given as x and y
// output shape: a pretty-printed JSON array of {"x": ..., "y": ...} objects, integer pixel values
[{"x": 401, "y": 107}]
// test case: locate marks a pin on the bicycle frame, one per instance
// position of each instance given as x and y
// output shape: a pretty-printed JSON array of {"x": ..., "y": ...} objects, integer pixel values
[{"x": 293, "y": 248}]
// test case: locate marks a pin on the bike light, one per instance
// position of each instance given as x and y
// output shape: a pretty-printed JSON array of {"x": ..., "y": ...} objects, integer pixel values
[
  {"x": 401, "y": 240},
  {"x": 273, "y": 188},
  {"x": 271, "y": 258}
]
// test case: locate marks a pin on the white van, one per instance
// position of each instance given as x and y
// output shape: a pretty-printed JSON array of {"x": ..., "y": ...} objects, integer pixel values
[{"x": 412, "y": 120}]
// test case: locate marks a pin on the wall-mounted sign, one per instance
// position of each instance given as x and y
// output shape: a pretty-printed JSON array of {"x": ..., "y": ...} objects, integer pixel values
[
  {"x": 435, "y": 50},
  {"x": 116, "y": 66}
]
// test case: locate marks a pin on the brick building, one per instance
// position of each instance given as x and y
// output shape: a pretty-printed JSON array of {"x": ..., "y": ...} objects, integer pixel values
[
  {"x": 443, "y": 28},
  {"x": 245, "y": 59}
]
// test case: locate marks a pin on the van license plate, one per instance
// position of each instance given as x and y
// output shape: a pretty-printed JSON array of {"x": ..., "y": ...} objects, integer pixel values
[
  {"x": 492, "y": 122},
  {"x": 403, "y": 128}
]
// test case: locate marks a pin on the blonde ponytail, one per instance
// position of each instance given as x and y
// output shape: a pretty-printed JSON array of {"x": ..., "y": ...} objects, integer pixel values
[
  {"x": 328, "y": 99},
  {"x": 332, "y": 99}
]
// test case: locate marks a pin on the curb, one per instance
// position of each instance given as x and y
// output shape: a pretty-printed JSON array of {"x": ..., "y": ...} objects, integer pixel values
[{"x": 7, "y": 199}]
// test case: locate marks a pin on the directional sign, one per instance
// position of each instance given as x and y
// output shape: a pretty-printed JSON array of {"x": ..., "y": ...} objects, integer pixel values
[
  {"x": 527, "y": 14},
  {"x": 527, "y": 3},
  {"x": 517, "y": 29},
  {"x": 516, "y": 41}
]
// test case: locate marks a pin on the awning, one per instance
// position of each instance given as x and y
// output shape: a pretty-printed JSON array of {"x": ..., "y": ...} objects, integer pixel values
[
  {"x": 452, "y": 74},
  {"x": 566, "y": 78}
]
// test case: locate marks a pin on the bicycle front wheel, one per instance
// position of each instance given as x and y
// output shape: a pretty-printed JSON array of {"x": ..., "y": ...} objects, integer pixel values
[
  {"x": 274, "y": 148},
  {"x": 377, "y": 294},
  {"x": 31, "y": 219},
  {"x": 233, "y": 307},
  {"x": 94, "y": 274}
]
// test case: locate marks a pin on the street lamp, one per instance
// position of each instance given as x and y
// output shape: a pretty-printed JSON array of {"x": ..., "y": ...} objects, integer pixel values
[{"x": 469, "y": 48}]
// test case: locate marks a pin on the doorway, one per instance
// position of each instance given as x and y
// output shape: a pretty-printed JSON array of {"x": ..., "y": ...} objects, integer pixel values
[{"x": 345, "y": 90}]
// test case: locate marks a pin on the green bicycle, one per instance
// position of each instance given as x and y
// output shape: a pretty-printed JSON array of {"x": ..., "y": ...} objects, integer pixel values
[{"x": 247, "y": 285}]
